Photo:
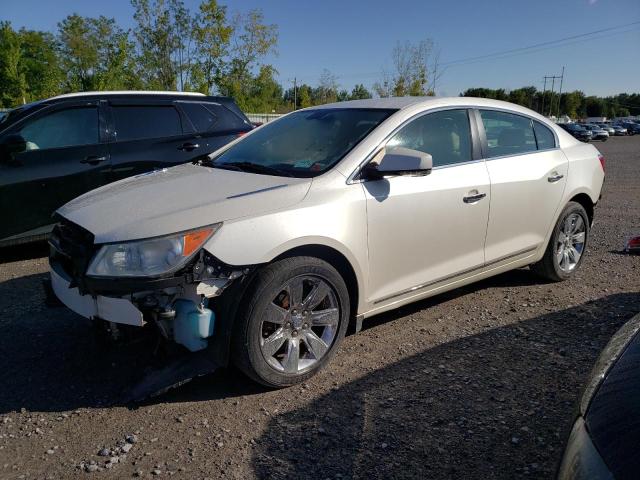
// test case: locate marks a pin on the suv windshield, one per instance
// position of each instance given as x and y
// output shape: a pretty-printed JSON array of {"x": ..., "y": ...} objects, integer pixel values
[{"x": 303, "y": 144}]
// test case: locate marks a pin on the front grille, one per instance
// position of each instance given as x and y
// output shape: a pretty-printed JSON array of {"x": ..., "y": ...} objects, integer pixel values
[{"x": 72, "y": 248}]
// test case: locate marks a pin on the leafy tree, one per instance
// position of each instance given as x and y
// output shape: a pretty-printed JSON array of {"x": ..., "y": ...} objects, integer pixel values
[
  {"x": 412, "y": 71},
  {"x": 265, "y": 93},
  {"x": 570, "y": 103},
  {"x": 327, "y": 90},
  {"x": 359, "y": 92},
  {"x": 251, "y": 41},
  {"x": 13, "y": 86},
  {"x": 212, "y": 34},
  {"x": 594, "y": 106},
  {"x": 96, "y": 54},
  {"x": 40, "y": 64},
  {"x": 160, "y": 25}
]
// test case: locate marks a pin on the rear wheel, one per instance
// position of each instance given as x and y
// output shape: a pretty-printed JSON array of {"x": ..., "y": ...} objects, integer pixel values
[
  {"x": 293, "y": 319},
  {"x": 567, "y": 244}
]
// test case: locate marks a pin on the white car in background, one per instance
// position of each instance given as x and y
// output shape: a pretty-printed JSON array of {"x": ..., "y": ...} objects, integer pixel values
[{"x": 262, "y": 252}]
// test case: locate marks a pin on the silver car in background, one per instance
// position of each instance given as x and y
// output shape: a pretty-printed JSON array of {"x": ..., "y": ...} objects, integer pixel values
[{"x": 262, "y": 252}]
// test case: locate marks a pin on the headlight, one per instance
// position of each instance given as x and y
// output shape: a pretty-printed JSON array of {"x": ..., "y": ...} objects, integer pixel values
[{"x": 147, "y": 258}]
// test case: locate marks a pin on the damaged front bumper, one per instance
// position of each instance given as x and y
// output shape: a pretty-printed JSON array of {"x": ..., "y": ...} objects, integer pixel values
[
  {"x": 177, "y": 304},
  {"x": 116, "y": 310}
]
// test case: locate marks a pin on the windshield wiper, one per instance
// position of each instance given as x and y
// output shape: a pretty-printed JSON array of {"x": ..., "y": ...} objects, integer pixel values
[{"x": 252, "y": 168}]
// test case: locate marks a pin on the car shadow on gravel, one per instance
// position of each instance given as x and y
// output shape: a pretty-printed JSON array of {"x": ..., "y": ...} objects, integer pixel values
[
  {"x": 493, "y": 405},
  {"x": 51, "y": 361},
  {"x": 27, "y": 251}
]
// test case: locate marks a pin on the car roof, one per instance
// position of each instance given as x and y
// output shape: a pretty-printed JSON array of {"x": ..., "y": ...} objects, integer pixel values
[
  {"x": 125, "y": 92},
  {"x": 401, "y": 103}
]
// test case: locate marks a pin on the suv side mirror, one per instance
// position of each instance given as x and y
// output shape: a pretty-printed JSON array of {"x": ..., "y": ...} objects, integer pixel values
[
  {"x": 398, "y": 161},
  {"x": 10, "y": 145}
]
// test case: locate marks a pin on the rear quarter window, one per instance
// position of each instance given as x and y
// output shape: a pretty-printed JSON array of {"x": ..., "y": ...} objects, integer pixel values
[
  {"x": 202, "y": 118},
  {"x": 544, "y": 136}
]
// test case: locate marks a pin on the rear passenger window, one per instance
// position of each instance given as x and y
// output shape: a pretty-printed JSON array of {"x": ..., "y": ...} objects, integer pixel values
[
  {"x": 201, "y": 117},
  {"x": 544, "y": 136},
  {"x": 444, "y": 135},
  {"x": 507, "y": 133},
  {"x": 142, "y": 121}
]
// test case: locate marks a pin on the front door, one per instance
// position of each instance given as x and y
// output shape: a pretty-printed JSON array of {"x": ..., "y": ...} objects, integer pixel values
[
  {"x": 61, "y": 158},
  {"x": 425, "y": 230}
]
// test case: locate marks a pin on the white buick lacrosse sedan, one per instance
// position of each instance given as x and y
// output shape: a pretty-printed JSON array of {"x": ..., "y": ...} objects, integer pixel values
[{"x": 261, "y": 253}]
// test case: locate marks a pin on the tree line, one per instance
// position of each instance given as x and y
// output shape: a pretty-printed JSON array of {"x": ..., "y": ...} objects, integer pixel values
[
  {"x": 216, "y": 52},
  {"x": 170, "y": 48},
  {"x": 575, "y": 104}
]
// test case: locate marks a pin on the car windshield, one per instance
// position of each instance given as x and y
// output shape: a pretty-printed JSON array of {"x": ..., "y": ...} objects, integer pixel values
[{"x": 302, "y": 144}]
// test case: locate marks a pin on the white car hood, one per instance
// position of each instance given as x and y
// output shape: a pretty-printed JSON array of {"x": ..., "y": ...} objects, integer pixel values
[{"x": 177, "y": 199}]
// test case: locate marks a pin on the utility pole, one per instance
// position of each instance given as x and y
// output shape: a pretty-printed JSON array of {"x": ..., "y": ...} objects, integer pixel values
[
  {"x": 560, "y": 93},
  {"x": 544, "y": 91},
  {"x": 295, "y": 93},
  {"x": 553, "y": 82}
]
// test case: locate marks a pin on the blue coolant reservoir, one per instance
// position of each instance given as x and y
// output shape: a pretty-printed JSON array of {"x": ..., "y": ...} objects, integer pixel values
[{"x": 193, "y": 324}]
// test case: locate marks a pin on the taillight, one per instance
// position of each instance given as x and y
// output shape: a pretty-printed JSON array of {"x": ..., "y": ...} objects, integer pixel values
[
  {"x": 633, "y": 245},
  {"x": 601, "y": 158}
]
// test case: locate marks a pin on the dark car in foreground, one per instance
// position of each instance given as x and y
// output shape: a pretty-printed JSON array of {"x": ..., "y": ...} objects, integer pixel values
[
  {"x": 57, "y": 149},
  {"x": 576, "y": 131},
  {"x": 605, "y": 438}
]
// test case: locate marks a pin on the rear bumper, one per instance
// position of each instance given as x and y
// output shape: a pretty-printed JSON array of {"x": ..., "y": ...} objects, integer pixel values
[{"x": 117, "y": 310}]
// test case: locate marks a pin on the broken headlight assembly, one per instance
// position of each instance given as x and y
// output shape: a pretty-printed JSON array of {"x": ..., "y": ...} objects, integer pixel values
[{"x": 151, "y": 257}]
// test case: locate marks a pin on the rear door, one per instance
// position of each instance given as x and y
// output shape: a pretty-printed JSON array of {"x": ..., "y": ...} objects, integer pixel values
[
  {"x": 147, "y": 135},
  {"x": 528, "y": 174},
  {"x": 64, "y": 156}
]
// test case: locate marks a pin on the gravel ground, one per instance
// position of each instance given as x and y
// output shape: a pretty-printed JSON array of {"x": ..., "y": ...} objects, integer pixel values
[{"x": 480, "y": 382}]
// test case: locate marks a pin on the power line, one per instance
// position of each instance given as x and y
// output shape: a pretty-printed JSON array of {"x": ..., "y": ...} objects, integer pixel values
[
  {"x": 537, "y": 45},
  {"x": 558, "y": 43}
]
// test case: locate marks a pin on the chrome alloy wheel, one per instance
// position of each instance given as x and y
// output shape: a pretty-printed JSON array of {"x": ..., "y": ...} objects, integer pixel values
[
  {"x": 570, "y": 242},
  {"x": 299, "y": 324}
]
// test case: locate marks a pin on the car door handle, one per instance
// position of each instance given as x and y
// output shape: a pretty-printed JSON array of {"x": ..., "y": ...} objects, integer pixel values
[
  {"x": 474, "y": 198},
  {"x": 555, "y": 177},
  {"x": 188, "y": 146},
  {"x": 93, "y": 160}
]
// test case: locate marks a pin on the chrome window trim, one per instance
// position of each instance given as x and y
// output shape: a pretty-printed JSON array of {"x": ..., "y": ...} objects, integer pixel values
[
  {"x": 531, "y": 152},
  {"x": 351, "y": 178}
]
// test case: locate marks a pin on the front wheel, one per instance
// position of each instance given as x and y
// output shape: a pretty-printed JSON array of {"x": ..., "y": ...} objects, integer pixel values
[
  {"x": 294, "y": 317},
  {"x": 567, "y": 244}
]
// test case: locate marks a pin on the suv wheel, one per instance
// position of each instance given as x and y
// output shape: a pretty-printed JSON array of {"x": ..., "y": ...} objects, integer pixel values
[
  {"x": 566, "y": 246},
  {"x": 294, "y": 317}
]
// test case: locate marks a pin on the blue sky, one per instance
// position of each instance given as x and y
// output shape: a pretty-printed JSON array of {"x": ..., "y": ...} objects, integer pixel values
[{"x": 354, "y": 39}]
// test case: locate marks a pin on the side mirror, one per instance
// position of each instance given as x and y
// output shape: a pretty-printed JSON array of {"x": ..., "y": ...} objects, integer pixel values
[
  {"x": 398, "y": 161},
  {"x": 11, "y": 145}
]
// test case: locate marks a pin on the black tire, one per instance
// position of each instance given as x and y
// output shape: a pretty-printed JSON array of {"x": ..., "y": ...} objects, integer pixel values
[
  {"x": 265, "y": 287},
  {"x": 548, "y": 267}
]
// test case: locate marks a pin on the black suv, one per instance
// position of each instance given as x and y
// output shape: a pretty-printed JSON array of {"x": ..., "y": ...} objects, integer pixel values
[
  {"x": 578, "y": 131},
  {"x": 57, "y": 149}
]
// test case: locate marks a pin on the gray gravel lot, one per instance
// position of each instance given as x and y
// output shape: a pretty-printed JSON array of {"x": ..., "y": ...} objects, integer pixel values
[{"x": 479, "y": 383}]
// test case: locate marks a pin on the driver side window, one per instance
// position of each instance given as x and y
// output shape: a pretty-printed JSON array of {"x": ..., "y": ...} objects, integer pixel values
[
  {"x": 63, "y": 128},
  {"x": 445, "y": 135}
]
